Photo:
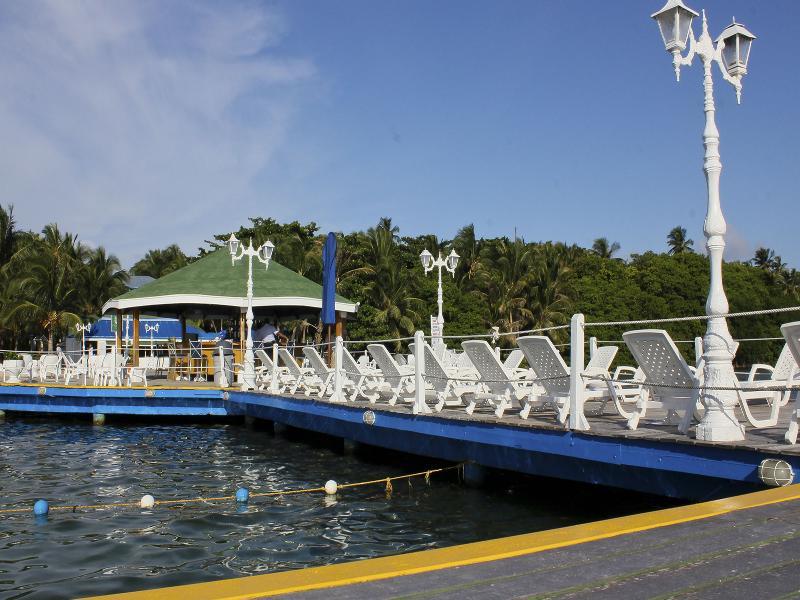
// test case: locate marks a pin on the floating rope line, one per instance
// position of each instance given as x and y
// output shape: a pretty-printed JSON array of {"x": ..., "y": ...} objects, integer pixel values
[{"x": 386, "y": 481}]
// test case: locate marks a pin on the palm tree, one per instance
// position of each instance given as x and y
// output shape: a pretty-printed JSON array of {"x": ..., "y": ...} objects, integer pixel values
[
  {"x": 9, "y": 235},
  {"x": 101, "y": 278},
  {"x": 763, "y": 258},
  {"x": 157, "y": 263},
  {"x": 389, "y": 292},
  {"x": 548, "y": 292},
  {"x": 678, "y": 242},
  {"x": 468, "y": 247},
  {"x": 50, "y": 294},
  {"x": 604, "y": 249},
  {"x": 502, "y": 281}
]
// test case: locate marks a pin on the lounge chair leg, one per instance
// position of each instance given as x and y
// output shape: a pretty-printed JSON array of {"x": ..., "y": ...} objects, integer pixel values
[
  {"x": 791, "y": 434},
  {"x": 526, "y": 410},
  {"x": 501, "y": 408},
  {"x": 470, "y": 407}
]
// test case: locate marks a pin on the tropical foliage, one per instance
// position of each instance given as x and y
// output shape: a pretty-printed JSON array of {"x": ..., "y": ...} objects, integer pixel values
[{"x": 51, "y": 280}]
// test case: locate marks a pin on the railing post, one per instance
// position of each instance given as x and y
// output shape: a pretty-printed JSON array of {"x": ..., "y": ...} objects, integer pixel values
[
  {"x": 698, "y": 351},
  {"x": 223, "y": 376},
  {"x": 338, "y": 376},
  {"x": 419, "y": 374},
  {"x": 274, "y": 381},
  {"x": 577, "y": 420},
  {"x": 592, "y": 347}
]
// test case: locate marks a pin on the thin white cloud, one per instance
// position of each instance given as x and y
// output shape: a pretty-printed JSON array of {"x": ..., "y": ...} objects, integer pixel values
[{"x": 139, "y": 124}]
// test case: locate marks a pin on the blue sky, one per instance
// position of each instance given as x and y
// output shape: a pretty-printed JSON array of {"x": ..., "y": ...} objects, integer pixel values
[{"x": 136, "y": 124}]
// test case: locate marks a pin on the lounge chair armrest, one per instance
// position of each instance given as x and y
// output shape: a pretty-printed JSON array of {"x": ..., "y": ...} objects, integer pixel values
[
  {"x": 624, "y": 369},
  {"x": 751, "y": 376}
]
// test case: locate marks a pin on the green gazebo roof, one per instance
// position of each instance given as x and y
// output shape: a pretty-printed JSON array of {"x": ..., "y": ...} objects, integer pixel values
[{"x": 213, "y": 282}]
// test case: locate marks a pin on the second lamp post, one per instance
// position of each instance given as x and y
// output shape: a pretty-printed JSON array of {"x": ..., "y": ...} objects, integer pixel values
[
  {"x": 428, "y": 264},
  {"x": 263, "y": 254}
]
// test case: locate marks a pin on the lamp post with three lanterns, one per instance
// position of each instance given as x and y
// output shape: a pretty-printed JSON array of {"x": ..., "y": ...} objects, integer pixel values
[
  {"x": 264, "y": 255},
  {"x": 449, "y": 264},
  {"x": 730, "y": 53}
]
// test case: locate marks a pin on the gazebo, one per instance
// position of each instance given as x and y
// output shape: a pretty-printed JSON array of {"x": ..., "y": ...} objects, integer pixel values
[{"x": 213, "y": 288}]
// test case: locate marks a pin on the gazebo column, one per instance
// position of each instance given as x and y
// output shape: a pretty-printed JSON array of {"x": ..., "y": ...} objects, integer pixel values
[
  {"x": 135, "y": 357},
  {"x": 120, "y": 325}
]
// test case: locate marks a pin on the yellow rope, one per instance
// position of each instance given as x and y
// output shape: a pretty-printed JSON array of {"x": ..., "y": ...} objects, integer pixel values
[{"x": 387, "y": 481}]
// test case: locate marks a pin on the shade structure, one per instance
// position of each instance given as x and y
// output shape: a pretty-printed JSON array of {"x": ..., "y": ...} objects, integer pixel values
[
  {"x": 212, "y": 286},
  {"x": 329, "y": 280}
]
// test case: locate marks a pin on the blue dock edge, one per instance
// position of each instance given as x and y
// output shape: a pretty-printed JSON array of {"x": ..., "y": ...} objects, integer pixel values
[{"x": 663, "y": 467}]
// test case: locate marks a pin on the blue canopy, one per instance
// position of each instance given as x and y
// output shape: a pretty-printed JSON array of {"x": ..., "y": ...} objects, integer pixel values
[
  {"x": 167, "y": 328},
  {"x": 329, "y": 280}
]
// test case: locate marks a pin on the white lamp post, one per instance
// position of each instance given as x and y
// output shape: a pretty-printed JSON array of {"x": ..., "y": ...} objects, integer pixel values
[
  {"x": 264, "y": 254},
  {"x": 151, "y": 329},
  {"x": 428, "y": 264},
  {"x": 83, "y": 328},
  {"x": 731, "y": 52}
]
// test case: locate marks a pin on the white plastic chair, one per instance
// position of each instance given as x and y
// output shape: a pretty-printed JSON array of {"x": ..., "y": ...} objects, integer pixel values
[
  {"x": 360, "y": 376},
  {"x": 502, "y": 386},
  {"x": 298, "y": 375},
  {"x": 791, "y": 332},
  {"x": 49, "y": 367},
  {"x": 399, "y": 379},
  {"x": 322, "y": 372},
  {"x": 449, "y": 384},
  {"x": 784, "y": 371}
]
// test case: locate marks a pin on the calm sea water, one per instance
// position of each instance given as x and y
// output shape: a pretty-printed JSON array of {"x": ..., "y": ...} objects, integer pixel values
[{"x": 97, "y": 552}]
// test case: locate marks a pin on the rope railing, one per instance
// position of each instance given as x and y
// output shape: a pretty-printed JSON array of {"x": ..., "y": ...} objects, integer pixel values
[{"x": 747, "y": 313}]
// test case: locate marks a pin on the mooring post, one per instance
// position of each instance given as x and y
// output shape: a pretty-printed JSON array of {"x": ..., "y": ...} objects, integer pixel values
[
  {"x": 338, "y": 376},
  {"x": 274, "y": 380},
  {"x": 577, "y": 420},
  {"x": 419, "y": 374}
]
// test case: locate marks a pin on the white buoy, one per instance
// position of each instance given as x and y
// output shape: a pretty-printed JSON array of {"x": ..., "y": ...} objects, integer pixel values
[
  {"x": 330, "y": 487},
  {"x": 147, "y": 501}
]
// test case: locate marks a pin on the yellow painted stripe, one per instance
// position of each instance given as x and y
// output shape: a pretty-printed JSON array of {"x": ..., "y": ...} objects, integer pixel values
[{"x": 374, "y": 569}]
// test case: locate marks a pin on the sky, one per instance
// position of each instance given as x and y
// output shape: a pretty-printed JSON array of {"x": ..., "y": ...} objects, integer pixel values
[{"x": 141, "y": 124}]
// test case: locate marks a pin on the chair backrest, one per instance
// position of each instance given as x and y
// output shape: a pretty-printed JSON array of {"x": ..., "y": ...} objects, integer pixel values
[
  {"x": 290, "y": 362},
  {"x": 49, "y": 360},
  {"x": 546, "y": 363},
  {"x": 315, "y": 360},
  {"x": 791, "y": 332},
  {"x": 400, "y": 359},
  {"x": 514, "y": 359},
  {"x": 601, "y": 360},
  {"x": 786, "y": 367},
  {"x": 27, "y": 359},
  {"x": 661, "y": 362},
  {"x": 351, "y": 367},
  {"x": 489, "y": 367},
  {"x": 434, "y": 369},
  {"x": 265, "y": 359},
  {"x": 391, "y": 372}
]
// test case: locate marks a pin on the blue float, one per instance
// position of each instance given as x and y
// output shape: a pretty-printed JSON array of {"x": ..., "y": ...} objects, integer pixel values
[
  {"x": 242, "y": 495},
  {"x": 41, "y": 508}
]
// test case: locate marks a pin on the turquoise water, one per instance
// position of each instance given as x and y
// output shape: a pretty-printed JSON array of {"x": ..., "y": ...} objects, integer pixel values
[{"x": 98, "y": 552}]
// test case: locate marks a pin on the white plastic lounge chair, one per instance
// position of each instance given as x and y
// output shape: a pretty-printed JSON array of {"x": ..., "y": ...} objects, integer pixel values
[
  {"x": 502, "y": 386},
  {"x": 299, "y": 377},
  {"x": 784, "y": 371},
  {"x": 513, "y": 360},
  {"x": 398, "y": 379},
  {"x": 267, "y": 370},
  {"x": 73, "y": 368},
  {"x": 49, "y": 367},
  {"x": 109, "y": 371},
  {"x": 322, "y": 372},
  {"x": 791, "y": 332},
  {"x": 553, "y": 375},
  {"x": 359, "y": 376},
  {"x": 449, "y": 384}
]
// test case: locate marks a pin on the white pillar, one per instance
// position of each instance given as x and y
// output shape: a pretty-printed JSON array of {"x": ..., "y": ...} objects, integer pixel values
[
  {"x": 274, "y": 381},
  {"x": 577, "y": 420},
  {"x": 592, "y": 347},
  {"x": 420, "y": 406},
  {"x": 338, "y": 375},
  {"x": 698, "y": 350}
]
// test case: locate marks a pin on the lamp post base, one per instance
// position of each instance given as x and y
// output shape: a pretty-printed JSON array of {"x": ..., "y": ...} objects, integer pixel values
[{"x": 249, "y": 371}]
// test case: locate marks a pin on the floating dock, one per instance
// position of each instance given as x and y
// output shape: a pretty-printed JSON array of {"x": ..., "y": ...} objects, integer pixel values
[{"x": 654, "y": 458}]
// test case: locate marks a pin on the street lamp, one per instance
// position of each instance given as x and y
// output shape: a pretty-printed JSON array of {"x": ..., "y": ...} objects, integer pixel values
[
  {"x": 151, "y": 329},
  {"x": 731, "y": 53},
  {"x": 263, "y": 254},
  {"x": 428, "y": 264}
]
